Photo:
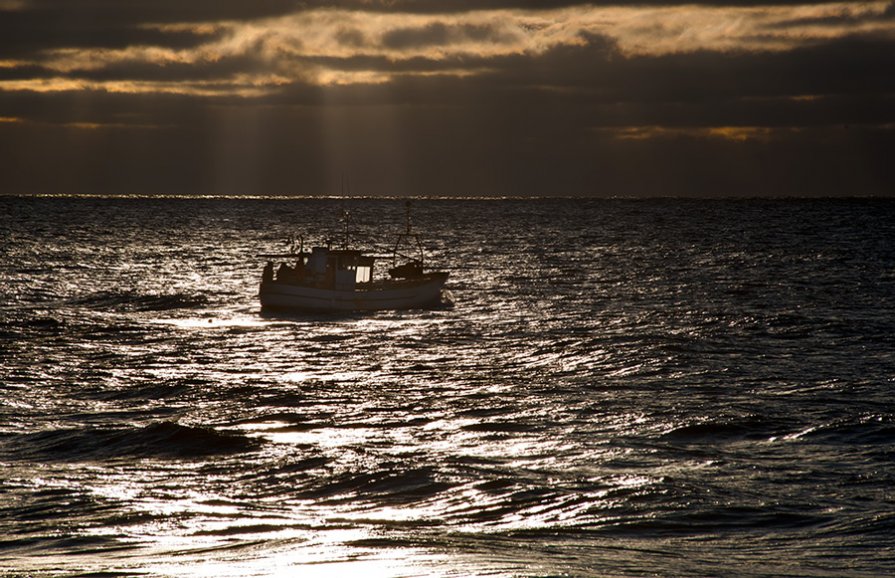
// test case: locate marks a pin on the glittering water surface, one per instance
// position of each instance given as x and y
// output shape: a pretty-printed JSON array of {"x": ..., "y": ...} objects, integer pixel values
[{"x": 623, "y": 388}]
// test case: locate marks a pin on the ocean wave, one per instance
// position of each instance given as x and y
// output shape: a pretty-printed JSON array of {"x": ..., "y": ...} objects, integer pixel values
[
  {"x": 158, "y": 391},
  {"x": 712, "y": 520},
  {"x": 131, "y": 301},
  {"x": 871, "y": 429},
  {"x": 502, "y": 427},
  {"x": 384, "y": 486},
  {"x": 14, "y": 328},
  {"x": 722, "y": 430},
  {"x": 165, "y": 439}
]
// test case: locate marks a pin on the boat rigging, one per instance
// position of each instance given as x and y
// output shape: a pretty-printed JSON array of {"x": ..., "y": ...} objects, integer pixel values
[{"x": 344, "y": 279}]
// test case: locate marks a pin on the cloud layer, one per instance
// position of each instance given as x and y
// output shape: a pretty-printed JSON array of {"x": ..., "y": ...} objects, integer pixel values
[{"x": 435, "y": 97}]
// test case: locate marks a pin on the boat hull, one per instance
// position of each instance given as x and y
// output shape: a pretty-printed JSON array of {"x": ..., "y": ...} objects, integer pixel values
[{"x": 409, "y": 294}]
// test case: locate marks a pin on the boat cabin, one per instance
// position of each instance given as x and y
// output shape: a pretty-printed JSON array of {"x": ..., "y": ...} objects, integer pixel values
[{"x": 326, "y": 268}]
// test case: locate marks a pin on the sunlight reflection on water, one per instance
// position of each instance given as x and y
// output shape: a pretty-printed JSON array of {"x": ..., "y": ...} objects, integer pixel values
[
  {"x": 320, "y": 558},
  {"x": 624, "y": 389},
  {"x": 215, "y": 322}
]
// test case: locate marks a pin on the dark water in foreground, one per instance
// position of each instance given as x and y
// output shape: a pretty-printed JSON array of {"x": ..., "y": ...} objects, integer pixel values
[{"x": 623, "y": 388}]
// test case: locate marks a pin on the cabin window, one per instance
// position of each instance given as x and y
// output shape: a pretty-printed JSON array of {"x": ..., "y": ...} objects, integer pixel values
[{"x": 363, "y": 274}]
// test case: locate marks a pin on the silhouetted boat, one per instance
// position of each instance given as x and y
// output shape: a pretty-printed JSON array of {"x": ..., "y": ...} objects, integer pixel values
[{"x": 327, "y": 279}]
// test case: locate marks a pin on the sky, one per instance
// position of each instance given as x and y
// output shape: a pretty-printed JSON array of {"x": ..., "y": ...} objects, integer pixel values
[{"x": 447, "y": 97}]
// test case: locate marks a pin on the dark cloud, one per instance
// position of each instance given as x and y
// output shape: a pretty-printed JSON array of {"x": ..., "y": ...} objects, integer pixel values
[
  {"x": 819, "y": 84},
  {"x": 487, "y": 134},
  {"x": 115, "y": 13},
  {"x": 24, "y": 72},
  {"x": 220, "y": 69},
  {"x": 460, "y": 6},
  {"x": 26, "y": 33},
  {"x": 439, "y": 33},
  {"x": 49, "y": 24},
  {"x": 351, "y": 37},
  {"x": 852, "y": 65},
  {"x": 228, "y": 148},
  {"x": 583, "y": 118}
]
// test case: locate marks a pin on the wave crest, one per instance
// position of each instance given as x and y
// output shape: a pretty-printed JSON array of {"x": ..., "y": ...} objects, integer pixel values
[{"x": 162, "y": 440}]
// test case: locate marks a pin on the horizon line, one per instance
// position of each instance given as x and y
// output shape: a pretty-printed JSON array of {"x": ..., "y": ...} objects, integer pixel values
[{"x": 436, "y": 197}]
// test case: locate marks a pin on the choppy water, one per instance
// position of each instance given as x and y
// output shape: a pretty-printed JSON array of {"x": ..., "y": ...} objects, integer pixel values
[{"x": 623, "y": 388}]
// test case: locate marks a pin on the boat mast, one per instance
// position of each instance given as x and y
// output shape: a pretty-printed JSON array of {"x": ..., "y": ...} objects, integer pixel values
[
  {"x": 409, "y": 237},
  {"x": 346, "y": 235}
]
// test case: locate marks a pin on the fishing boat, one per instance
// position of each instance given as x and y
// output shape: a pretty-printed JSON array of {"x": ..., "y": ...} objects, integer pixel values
[{"x": 344, "y": 279}]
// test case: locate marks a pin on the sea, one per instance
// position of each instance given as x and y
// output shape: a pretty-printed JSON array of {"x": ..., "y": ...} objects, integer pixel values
[{"x": 612, "y": 388}]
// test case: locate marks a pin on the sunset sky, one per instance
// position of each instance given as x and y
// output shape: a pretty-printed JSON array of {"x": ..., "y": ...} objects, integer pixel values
[{"x": 447, "y": 97}]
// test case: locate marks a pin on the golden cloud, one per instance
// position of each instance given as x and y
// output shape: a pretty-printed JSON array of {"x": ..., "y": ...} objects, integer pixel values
[
  {"x": 325, "y": 47},
  {"x": 726, "y": 133}
]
